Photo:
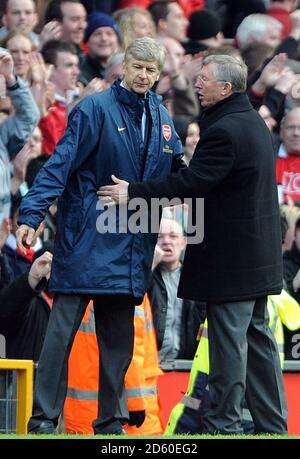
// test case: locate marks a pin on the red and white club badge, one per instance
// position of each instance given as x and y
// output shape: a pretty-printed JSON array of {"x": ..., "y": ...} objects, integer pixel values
[{"x": 167, "y": 132}]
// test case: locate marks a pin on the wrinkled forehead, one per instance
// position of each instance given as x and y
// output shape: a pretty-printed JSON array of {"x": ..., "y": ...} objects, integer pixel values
[
  {"x": 170, "y": 226},
  {"x": 292, "y": 118},
  {"x": 141, "y": 62}
]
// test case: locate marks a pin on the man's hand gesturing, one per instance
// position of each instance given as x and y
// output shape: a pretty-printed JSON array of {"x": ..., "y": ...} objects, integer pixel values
[{"x": 114, "y": 194}]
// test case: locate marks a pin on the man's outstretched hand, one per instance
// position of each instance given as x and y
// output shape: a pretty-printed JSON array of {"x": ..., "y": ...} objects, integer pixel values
[{"x": 114, "y": 194}]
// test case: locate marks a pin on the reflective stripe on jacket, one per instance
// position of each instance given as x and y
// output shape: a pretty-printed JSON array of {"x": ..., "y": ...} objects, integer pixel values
[{"x": 81, "y": 404}]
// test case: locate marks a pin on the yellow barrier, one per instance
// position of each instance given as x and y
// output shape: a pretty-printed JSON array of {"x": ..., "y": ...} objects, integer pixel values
[{"x": 24, "y": 370}]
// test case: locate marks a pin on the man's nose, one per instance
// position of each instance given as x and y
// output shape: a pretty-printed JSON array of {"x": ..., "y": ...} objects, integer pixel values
[
  {"x": 198, "y": 82},
  {"x": 82, "y": 24},
  {"x": 143, "y": 73}
]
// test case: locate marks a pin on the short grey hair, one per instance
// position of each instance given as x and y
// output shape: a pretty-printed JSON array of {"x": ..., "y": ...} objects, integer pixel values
[
  {"x": 115, "y": 59},
  {"x": 254, "y": 28},
  {"x": 228, "y": 68},
  {"x": 146, "y": 49}
]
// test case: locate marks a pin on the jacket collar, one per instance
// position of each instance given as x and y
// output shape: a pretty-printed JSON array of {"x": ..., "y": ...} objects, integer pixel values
[
  {"x": 132, "y": 99},
  {"x": 235, "y": 103}
]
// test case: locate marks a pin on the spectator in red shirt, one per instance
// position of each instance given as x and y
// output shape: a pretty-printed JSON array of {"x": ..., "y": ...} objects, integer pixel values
[
  {"x": 280, "y": 10},
  {"x": 64, "y": 75},
  {"x": 288, "y": 162}
]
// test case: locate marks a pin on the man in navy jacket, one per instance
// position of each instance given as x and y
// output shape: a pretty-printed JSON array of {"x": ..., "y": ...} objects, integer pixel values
[{"x": 120, "y": 131}]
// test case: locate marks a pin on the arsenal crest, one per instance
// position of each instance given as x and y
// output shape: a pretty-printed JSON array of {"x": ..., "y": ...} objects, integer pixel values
[{"x": 167, "y": 132}]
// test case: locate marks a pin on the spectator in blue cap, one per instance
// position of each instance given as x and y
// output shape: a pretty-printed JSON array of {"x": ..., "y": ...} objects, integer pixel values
[{"x": 102, "y": 39}]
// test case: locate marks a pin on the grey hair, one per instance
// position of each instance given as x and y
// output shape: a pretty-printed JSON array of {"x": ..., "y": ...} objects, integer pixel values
[
  {"x": 228, "y": 68},
  {"x": 254, "y": 28},
  {"x": 146, "y": 49},
  {"x": 115, "y": 59},
  {"x": 287, "y": 114}
]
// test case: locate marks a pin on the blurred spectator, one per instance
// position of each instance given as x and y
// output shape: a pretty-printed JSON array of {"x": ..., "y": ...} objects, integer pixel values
[
  {"x": 275, "y": 82},
  {"x": 259, "y": 28},
  {"x": 42, "y": 88},
  {"x": 189, "y": 133},
  {"x": 33, "y": 168},
  {"x": 19, "y": 15},
  {"x": 63, "y": 57},
  {"x": 174, "y": 85},
  {"x": 24, "y": 311},
  {"x": 290, "y": 213},
  {"x": 267, "y": 117},
  {"x": 288, "y": 161},
  {"x": 102, "y": 39},
  {"x": 169, "y": 19},
  {"x": 204, "y": 31},
  {"x": 30, "y": 151},
  {"x": 20, "y": 46},
  {"x": 280, "y": 10},
  {"x": 255, "y": 56},
  {"x": 233, "y": 12},
  {"x": 227, "y": 50},
  {"x": 192, "y": 138},
  {"x": 114, "y": 68},
  {"x": 41, "y": 6},
  {"x": 72, "y": 17},
  {"x": 29, "y": 65},
  {"x": 18, "y": 261},
  {"x": 35, "y": 143},
  {"x": 176, "y": 321},
  {"x": 134, "y": 23},
  {"x": 16, "y": 129}
]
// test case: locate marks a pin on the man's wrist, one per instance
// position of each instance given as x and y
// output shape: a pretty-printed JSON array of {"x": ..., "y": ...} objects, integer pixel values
[
  {"x": 12, "y": 83},
  {"x": 33, "y": 281}
]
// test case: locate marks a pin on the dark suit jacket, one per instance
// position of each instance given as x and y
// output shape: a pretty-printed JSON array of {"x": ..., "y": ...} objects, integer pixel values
[{"x": 233, "y": 169}]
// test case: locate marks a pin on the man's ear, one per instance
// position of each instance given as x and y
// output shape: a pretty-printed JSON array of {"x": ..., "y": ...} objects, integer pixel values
[
  {"x": 227, "y": 88},
  {"x": 157, "y": 78}
]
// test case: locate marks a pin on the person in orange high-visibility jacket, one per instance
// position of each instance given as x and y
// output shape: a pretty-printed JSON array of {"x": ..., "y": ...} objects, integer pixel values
[{"x": 140, "y": 381}]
